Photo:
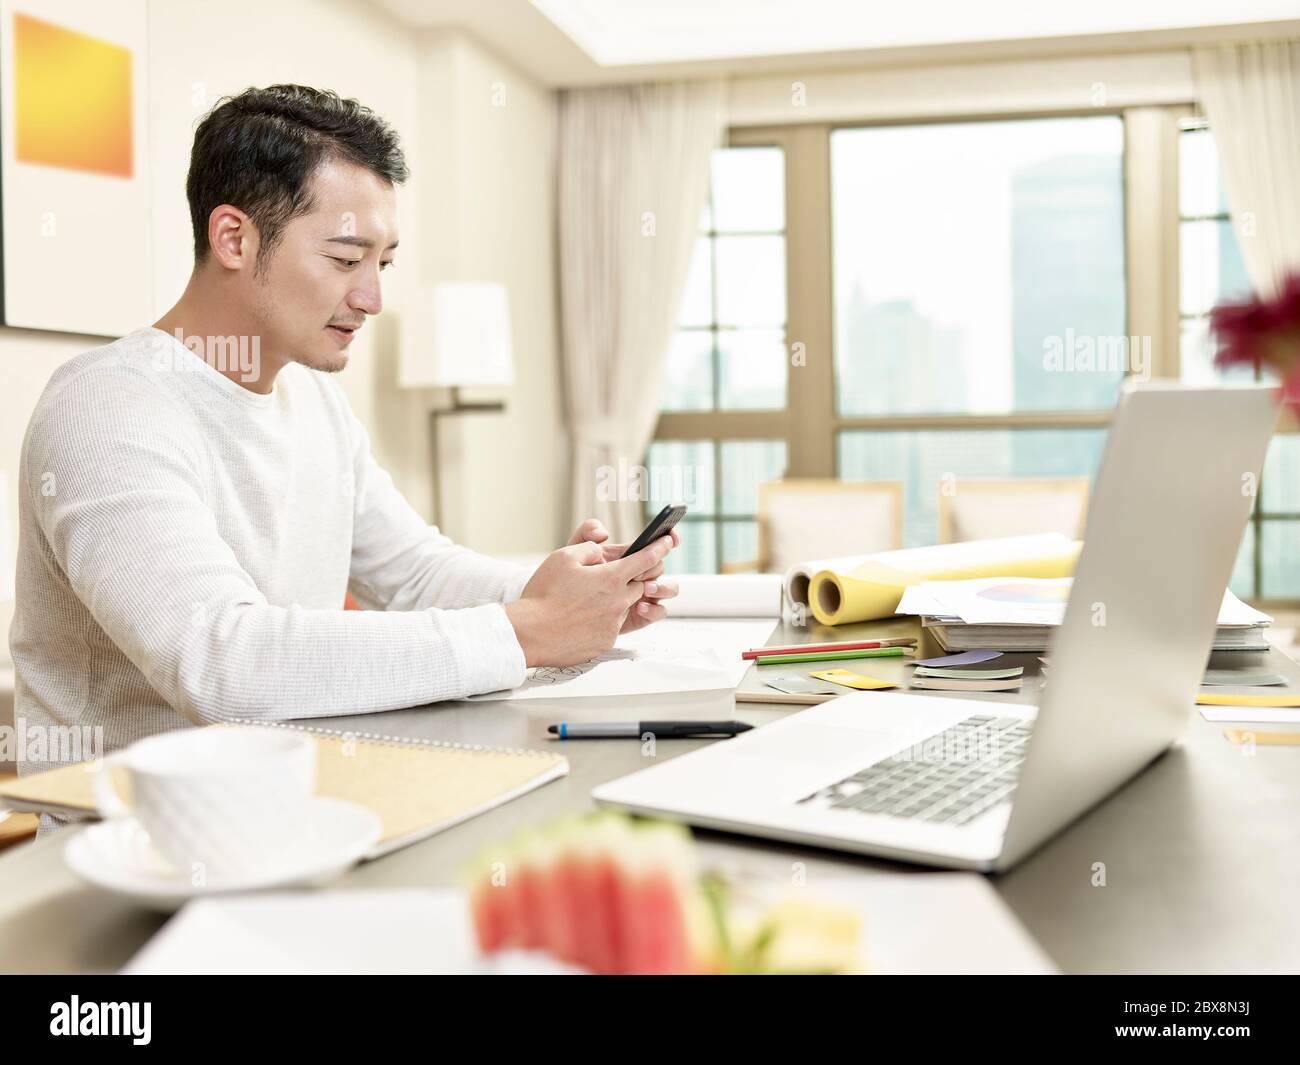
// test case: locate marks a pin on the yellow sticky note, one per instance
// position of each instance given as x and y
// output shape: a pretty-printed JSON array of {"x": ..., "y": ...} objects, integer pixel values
[
  {"x": 1229, "y": 699},
  {"x": 1263, "y": 739},
  {"x": 852, "y": 680}
]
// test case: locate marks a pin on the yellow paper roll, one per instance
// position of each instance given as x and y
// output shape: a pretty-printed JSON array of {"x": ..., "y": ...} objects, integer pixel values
[{"x": 874, "y": 589}]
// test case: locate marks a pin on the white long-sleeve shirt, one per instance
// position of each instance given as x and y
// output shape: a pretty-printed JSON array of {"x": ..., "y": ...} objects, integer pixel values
[{"x": 185, "y": 545}]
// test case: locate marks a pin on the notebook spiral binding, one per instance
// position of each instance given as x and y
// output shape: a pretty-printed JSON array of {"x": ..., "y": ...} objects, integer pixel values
[{"x": 393, "y": 741}]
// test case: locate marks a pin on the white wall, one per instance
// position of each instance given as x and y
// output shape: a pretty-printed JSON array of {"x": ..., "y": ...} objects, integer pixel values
[
  {"x": 200, "y": 51},
  {"x": 1065, "y": 83},
  {"x": 487, "y": 138}
]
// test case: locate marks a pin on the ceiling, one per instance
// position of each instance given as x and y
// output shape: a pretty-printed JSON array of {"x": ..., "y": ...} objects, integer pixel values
[{"x": 580, "y": 42}]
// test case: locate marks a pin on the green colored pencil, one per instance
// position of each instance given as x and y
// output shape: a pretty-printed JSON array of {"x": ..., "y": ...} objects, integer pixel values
[{"x": 834, "y": 656}]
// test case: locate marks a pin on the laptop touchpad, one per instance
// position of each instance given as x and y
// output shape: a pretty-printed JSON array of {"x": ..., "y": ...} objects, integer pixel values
[{"x": 821, "y": 744}]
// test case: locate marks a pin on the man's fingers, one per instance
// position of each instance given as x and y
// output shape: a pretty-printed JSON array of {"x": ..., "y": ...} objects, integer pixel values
[
  {"x": 592, "y": 530},
  {"x": 586, "y": 553},
  {"x": 646, "y": 559},
  {"x": 632, "y": 593},
  {"x": 613, "y": 552},
  {"x": 660, "y": 589},
  {"x": 651, "y": 574},
  {"x": 648, "y": 612}
]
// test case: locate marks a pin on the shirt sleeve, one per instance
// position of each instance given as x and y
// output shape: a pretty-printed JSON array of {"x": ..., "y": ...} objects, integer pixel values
[{"x": 128, "y": 525}]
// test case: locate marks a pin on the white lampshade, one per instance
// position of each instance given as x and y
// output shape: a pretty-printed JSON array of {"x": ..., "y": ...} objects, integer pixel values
[
  {"x": 6, "y": 544},
  {"x": 458, "y": 334}
]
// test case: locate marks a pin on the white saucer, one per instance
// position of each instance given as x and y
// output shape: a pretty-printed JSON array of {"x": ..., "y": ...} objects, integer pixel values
[{"x": 117, "y": 856}]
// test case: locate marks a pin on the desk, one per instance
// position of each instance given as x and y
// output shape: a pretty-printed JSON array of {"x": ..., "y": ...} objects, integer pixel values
[{"x": 1202, "y": 850}]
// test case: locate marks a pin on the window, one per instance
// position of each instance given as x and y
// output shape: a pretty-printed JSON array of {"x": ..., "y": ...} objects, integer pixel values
[
  {"x": 729, "y": 349},
  {"x": 978, "y": 270},
  {"x": 913, "y": 301},
  {"x": 726, "y": 475},
  {"x": 1211, "y": 270},
  {"x": 972, "y": 261},
  {"x": 728, "y": 355},
  {"x": 1209, "y": 259}
]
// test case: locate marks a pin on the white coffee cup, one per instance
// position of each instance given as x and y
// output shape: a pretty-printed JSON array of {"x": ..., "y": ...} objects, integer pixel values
[{"x": 218, "y": 803}]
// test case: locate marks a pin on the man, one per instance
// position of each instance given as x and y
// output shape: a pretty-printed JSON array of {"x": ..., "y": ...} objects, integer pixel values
[{"x": 196, "y": 497}]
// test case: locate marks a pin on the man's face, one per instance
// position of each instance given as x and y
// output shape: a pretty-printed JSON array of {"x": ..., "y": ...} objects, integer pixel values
[{"x": 322, "y": 280}]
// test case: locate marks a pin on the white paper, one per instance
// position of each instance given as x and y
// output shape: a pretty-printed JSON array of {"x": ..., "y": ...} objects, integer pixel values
[
  {"x": 734, "y": 595},
  {"x": 808, "y": 570},
  {"x": 675, "y": 655},
  {"x": 1258, "y": 715},
  {"x": 917, "y": 600},
  {"x": 1026, "y": 601},
  {"x": 940, "y": 923},
  {"x": 1234, "y": 612},
  {"x": 913, "y": 923},
  {"x": 1002, "y": 600},
  {"x": 402, "y": 930}
]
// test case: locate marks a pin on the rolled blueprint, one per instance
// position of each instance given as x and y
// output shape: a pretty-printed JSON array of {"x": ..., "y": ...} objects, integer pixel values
[{"x": 873, "y": 588}]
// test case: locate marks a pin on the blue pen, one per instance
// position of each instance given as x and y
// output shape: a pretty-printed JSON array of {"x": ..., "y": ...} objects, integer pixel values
[{"x": 637, "y": 729}]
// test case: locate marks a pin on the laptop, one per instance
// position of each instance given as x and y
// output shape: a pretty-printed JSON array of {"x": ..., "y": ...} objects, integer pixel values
[{"x": 970, "y": 783}]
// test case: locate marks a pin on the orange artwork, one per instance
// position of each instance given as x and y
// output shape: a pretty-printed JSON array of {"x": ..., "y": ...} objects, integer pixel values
[{"x": 72, "y": 99}]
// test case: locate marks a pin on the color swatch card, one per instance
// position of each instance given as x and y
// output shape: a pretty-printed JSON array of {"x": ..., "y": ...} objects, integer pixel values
[
  {"x": 947, "y": 684},
  {"x": 1254, "y": 738},
  {"x": 853, "y": 680},
  {"x": 1285, "y": 699},
  {"x": 1241, "y": 678},
  {"x": 793, "y": 684},
  {"x": 965, "y": 658},
  {"x": 970, "y": 674}
]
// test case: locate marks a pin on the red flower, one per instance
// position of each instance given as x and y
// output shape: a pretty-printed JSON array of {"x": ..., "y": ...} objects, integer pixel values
[{"x": 1263, "y": 332}]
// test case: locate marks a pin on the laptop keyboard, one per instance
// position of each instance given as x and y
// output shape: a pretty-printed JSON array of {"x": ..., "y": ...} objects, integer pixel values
[{"x": 951, "y": 777}]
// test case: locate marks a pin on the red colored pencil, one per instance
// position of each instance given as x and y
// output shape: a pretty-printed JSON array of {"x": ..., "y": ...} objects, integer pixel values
[{"x": 812, "y": 648}]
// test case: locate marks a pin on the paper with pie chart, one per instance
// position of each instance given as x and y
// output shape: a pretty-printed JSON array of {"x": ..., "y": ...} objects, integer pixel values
[{"x": 1024, "y": 601}]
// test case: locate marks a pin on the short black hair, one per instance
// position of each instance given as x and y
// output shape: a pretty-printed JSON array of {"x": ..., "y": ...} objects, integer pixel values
[{"x": 258, "y": 151}]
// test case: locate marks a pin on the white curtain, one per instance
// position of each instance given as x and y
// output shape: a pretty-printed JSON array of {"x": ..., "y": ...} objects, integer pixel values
[
  {"x": 633, "y": 178},
  {"x": 1251, "y": 97}
]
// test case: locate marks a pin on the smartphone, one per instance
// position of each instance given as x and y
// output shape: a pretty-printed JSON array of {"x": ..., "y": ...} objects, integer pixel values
[{"x": 660, "y": 525}]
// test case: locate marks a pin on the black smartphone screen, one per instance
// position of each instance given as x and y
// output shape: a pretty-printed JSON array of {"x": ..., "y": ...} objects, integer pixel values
[{"x": 660, "y": 525}]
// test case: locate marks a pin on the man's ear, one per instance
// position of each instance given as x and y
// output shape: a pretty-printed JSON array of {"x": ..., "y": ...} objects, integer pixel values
[{"x": 232, "y": 237}]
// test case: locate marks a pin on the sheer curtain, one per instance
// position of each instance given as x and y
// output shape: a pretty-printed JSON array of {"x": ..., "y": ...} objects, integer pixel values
[
  {"x": 1251, "y": 97},
  {"x": 633, "y": 178}
]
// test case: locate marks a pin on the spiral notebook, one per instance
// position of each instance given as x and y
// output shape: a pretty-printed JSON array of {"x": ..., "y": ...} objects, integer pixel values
[{"x": 417, "y": 787}]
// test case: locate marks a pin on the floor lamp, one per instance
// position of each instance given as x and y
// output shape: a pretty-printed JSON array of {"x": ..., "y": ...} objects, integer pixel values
[{"x": 459, "y": 337}]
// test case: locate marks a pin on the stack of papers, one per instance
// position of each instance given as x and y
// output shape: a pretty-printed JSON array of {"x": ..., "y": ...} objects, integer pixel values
[
  {"x": 968, "y": 680},
  {"x": 970, "y": 671},
  {"x": 1019, "y": 613}
]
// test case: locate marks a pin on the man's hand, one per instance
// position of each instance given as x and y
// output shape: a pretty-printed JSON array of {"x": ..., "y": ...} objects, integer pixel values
[
  {"x": 648, "y": 609},
  {"x": 574, "y": 606}
]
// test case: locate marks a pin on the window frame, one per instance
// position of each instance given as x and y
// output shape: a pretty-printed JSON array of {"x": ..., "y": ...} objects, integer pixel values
[
  {"x": 810, "y": 423},
  {"x": 1188, "y": 121}
]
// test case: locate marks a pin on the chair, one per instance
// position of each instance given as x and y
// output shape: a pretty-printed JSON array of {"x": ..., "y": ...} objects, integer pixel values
[
  {"x": 18, "y": 828},
  {"x": 800, "y": 520},
  {"x": 983, "y": 509}
]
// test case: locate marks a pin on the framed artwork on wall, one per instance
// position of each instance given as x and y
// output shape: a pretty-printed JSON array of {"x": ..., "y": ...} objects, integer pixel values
[{"x": 76, "y": 251}]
